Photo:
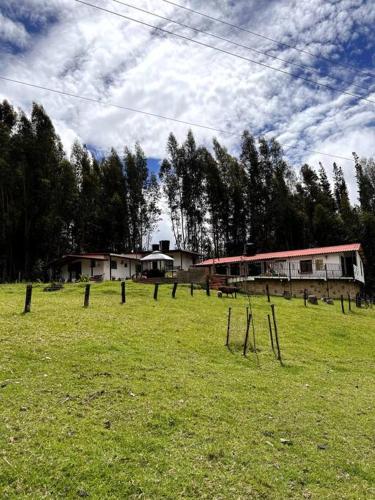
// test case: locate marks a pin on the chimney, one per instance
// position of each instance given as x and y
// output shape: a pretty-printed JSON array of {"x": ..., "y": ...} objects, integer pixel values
[
  {"x": 164, "y": 246},
  {"x": 249, "y": 249},
  {"x": 155, "y": 247}
]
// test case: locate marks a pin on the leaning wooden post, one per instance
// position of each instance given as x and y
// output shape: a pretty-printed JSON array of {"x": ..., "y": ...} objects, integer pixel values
[
  {"x": 208, "y": 286},
  {"x": 342, "y": 304},
  {"x": 249, "y": 316},
  {"x": 349, "y": 302},
  {"x": 29, "y": 291},
  {"x": 276, "y": 334},
  {"x": 174, "y": 290},
  {"x": 156, "y": 289},
  {"x": 228, "y": 327},
  {"x": 123, "y": 292},
  {"x": 270, "y": 330},
  {"x": 268, "y": 293},
  {"x": 192, "y": 289},
  {"x": 87, "y": 296},
  {"x": 326, "y": 270},
  {"x": 254, "y": 339}
]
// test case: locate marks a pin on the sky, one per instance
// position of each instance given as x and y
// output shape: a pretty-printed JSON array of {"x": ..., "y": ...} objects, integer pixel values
[{"x": 78, "y": 49}]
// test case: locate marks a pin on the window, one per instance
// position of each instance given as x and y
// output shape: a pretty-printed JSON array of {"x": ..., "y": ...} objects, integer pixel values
[
  {"x": 319, "y": 265},
  {"x": 125, "y": 264},
  {"x": 113, "y": 264},
  {"x": 305, "y": 266}
]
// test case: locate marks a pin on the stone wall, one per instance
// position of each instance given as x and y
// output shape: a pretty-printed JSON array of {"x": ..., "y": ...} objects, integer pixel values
[{"x": 297, "y": 287}]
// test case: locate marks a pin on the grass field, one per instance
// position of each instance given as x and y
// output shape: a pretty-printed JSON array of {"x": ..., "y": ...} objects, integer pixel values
[{"x": 144, "y": 401}]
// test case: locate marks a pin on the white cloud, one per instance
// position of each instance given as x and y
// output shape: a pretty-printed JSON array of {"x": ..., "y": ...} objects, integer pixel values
[
  {"x": 12, "y": 32},
  {"x": 88, "y": 52}
]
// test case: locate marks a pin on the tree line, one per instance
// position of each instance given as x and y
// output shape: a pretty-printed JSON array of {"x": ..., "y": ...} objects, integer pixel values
[
  {"x": 52, "y": 204},
  {"x": 217, "y": 202}
]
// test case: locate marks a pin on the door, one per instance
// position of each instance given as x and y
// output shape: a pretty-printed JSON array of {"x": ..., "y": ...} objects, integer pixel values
[
  {"x": 347, "y": 263},
  {"x": 75, "y": 270}
]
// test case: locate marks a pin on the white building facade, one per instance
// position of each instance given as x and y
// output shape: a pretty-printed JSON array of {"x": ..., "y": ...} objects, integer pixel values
[{"x": 97, "y": 267}]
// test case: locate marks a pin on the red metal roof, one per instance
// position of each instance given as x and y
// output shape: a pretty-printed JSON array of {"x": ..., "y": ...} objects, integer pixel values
[{"x": 307, "y": 252}]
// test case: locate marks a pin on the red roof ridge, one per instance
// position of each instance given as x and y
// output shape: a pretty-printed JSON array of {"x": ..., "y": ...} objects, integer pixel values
[{"x": 348, "y": 247}]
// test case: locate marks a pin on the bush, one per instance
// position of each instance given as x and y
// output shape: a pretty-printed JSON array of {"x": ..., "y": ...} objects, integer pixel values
[{"x": 83, "y": 279}]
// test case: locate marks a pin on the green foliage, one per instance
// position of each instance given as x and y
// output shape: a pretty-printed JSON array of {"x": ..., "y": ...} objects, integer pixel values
[
  {"x": 144, "y": 400},
  {"x": 51, "y": 205},
  {"x": 84, "y": 278}
]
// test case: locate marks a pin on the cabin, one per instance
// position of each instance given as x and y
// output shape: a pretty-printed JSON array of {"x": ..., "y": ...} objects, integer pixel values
[
  {"x": 325, "y": 271},
  {"x": 96, "y": 266}
]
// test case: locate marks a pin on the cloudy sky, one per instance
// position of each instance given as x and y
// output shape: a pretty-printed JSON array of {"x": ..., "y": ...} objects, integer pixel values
[{"x": 78, "y": 49}]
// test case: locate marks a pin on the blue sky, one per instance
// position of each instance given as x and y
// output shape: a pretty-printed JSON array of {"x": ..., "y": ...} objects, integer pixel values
[{"x": 68, "y": 46}]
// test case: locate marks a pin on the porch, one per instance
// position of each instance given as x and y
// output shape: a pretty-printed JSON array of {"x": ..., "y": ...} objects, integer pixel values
[{"x": 308, "y": 269}]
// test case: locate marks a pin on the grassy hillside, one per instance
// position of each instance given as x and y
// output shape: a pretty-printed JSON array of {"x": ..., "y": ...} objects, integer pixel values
[{"x": 144, "y": 401}]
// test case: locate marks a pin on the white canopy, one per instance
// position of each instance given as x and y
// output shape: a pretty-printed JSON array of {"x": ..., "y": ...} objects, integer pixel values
[{"x": 156, "y": 256}]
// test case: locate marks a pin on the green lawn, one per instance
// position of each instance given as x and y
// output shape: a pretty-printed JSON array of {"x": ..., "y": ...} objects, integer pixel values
[{"x": 144, "y": 401}]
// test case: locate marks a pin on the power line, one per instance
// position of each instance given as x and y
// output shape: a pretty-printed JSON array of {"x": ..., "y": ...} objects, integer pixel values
[
  {"x": 326, "y": 154},
  {"x": 285, "y": 72},
  {"x": 98, "y": 101},
  {"x": 232, "y": 42},
  {"x": 259, "y": 35},
  {"x": 154, "y": 115}
]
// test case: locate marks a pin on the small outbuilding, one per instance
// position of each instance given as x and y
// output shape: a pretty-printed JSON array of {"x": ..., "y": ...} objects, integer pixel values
[{"x": 156, "y": 264}]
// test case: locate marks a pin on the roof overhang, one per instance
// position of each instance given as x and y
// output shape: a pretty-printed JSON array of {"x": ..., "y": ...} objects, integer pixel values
[
  {"x": 157, "y": 257},
  {"x": 289, "y": 254}
]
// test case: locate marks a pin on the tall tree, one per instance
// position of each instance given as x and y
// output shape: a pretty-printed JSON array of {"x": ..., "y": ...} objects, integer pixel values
[
  {"x": 348, "y": 215},
  {"x": 114, "y": 208},
  {"x": 142, "y": 196}
]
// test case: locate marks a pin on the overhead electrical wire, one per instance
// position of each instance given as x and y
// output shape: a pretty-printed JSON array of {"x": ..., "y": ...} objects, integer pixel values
[
  {"x": 133, "y": 110},
  {"x": 284, "y": 44},
  {"x": 232, "y": 42},
  {"x": 192, "y": 40},
  {"x": 118, "y": 106}
]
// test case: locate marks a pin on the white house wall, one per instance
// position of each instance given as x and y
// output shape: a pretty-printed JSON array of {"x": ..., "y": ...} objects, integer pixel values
[
  {"x": 126, "y": 268},
  {"x": 359, "y": 270},
  {"x": 85, "y": 269},
  {"x": 181, "y": 261}
]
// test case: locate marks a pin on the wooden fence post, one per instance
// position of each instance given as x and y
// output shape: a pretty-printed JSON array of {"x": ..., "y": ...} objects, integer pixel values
[
  {"x": 326, "y": 270},
  {"x": 271, "y": 336},
  {"x": 268, "y": 293},
  {"x": 192, "y": 289},
  {"x": 87, "y": 296},
  {"x": 342, "y": 304},
  {"x": 156, "y": 289},
  {"x": 349, "y": 302},
  {"x": 276, "y": 334},
  {"x": 249, "y": 317},
  {"x": 174, "y": 290},
  {"x": 29, "y": 291},
  {"x": 208, "y": 286},
  {"x": 305, "y": 297},
  {"x": 228, "y": 326},
  {"x": 123, "y": 292}
]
